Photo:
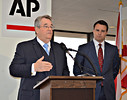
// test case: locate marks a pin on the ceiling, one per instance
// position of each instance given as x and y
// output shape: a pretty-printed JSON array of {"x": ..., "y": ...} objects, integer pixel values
[{"x": 80, "y": 15}]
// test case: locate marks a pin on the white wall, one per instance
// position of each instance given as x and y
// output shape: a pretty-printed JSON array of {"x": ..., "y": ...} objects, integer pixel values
[
  {"x": 8, "y": 84},
  {"x": 124, "y": 13}
]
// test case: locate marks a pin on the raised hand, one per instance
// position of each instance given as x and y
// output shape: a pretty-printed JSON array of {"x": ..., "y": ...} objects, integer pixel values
[{"x": 41, "y": 65}]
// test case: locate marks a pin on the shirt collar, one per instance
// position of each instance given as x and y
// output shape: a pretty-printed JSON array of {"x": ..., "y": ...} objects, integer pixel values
[
  {"x": 42, "y": 43},
  {"x": 96, "y": 43}
]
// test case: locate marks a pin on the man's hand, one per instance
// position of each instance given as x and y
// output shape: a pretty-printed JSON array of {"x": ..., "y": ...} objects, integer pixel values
[{"x": 41, "y": 65}]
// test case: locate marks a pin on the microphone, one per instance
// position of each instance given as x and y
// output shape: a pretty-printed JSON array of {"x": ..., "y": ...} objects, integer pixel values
[{"x": 63, "y": 46}]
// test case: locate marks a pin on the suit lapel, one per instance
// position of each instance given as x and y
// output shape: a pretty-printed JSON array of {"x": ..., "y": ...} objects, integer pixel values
[
  {"x": 106, "y": 55},
  {"x": 55, "y": 55},
  {"x": 93, "y": 56},
  {"x": 57, "y": 60},
  {"x": 36, "y": 48}
]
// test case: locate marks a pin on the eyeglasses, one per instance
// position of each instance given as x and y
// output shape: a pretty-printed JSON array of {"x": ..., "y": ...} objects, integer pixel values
[{"x": 47, "y": 27}]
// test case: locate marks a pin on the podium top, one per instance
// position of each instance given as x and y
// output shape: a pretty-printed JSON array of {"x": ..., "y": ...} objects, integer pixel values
[{"x": 68, "y": 78}]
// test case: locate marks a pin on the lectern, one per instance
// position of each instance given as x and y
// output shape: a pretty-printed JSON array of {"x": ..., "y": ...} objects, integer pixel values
[{"x": 68, "y": 87}]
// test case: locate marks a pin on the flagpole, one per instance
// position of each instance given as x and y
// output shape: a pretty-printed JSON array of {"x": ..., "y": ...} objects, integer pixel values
[{"x": 120, "y": 28}]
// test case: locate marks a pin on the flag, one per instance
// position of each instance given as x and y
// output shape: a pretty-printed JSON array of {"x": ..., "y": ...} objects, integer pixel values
[
  {"x": 124, "y": 61},
  {"x": 121, "y": 43}
]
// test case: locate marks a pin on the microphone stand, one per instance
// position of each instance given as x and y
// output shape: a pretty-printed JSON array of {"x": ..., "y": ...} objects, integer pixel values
[
  {"x": 81, "y": 67},
  {"x": 86, "y": 58},
  {"x": 63, "y": 46}
]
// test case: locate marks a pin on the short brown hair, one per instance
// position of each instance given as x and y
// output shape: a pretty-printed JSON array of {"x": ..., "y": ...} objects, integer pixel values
[{"x": 102, "y": 22}]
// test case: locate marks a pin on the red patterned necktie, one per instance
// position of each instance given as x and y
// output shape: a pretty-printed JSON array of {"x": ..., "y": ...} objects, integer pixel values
[{"x": 100, "y": 57}]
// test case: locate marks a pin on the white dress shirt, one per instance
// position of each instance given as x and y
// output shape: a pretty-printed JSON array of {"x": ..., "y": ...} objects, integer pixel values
[
  {"x": 97, "y": 46},
  {"x": 42, "y": 43}
]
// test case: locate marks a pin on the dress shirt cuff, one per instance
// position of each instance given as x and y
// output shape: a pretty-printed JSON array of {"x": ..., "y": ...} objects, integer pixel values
[{"x": 33, "y": 73}]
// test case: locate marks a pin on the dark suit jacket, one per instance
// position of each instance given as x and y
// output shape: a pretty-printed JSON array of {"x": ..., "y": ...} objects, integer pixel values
[
  {"x": 27, "y": 53},
  {"x": 110, "y": 67}
]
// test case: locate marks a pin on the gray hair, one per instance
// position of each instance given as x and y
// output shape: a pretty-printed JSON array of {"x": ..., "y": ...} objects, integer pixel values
[{"x": 38, "y": 20}]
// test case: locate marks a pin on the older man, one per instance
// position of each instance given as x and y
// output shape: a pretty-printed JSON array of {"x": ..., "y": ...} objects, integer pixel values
[{"x": 38, "y": 58}]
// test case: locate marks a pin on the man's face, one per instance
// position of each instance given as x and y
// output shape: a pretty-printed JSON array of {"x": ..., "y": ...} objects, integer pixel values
[
  {"x": 45, "y": 32},
  {"x": 100, "y": 32}
]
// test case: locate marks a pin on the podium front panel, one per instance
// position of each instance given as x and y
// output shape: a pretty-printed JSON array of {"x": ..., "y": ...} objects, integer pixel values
[
  {"x": 68, "y": 90},
  {"x": 72, "y": 94}
]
